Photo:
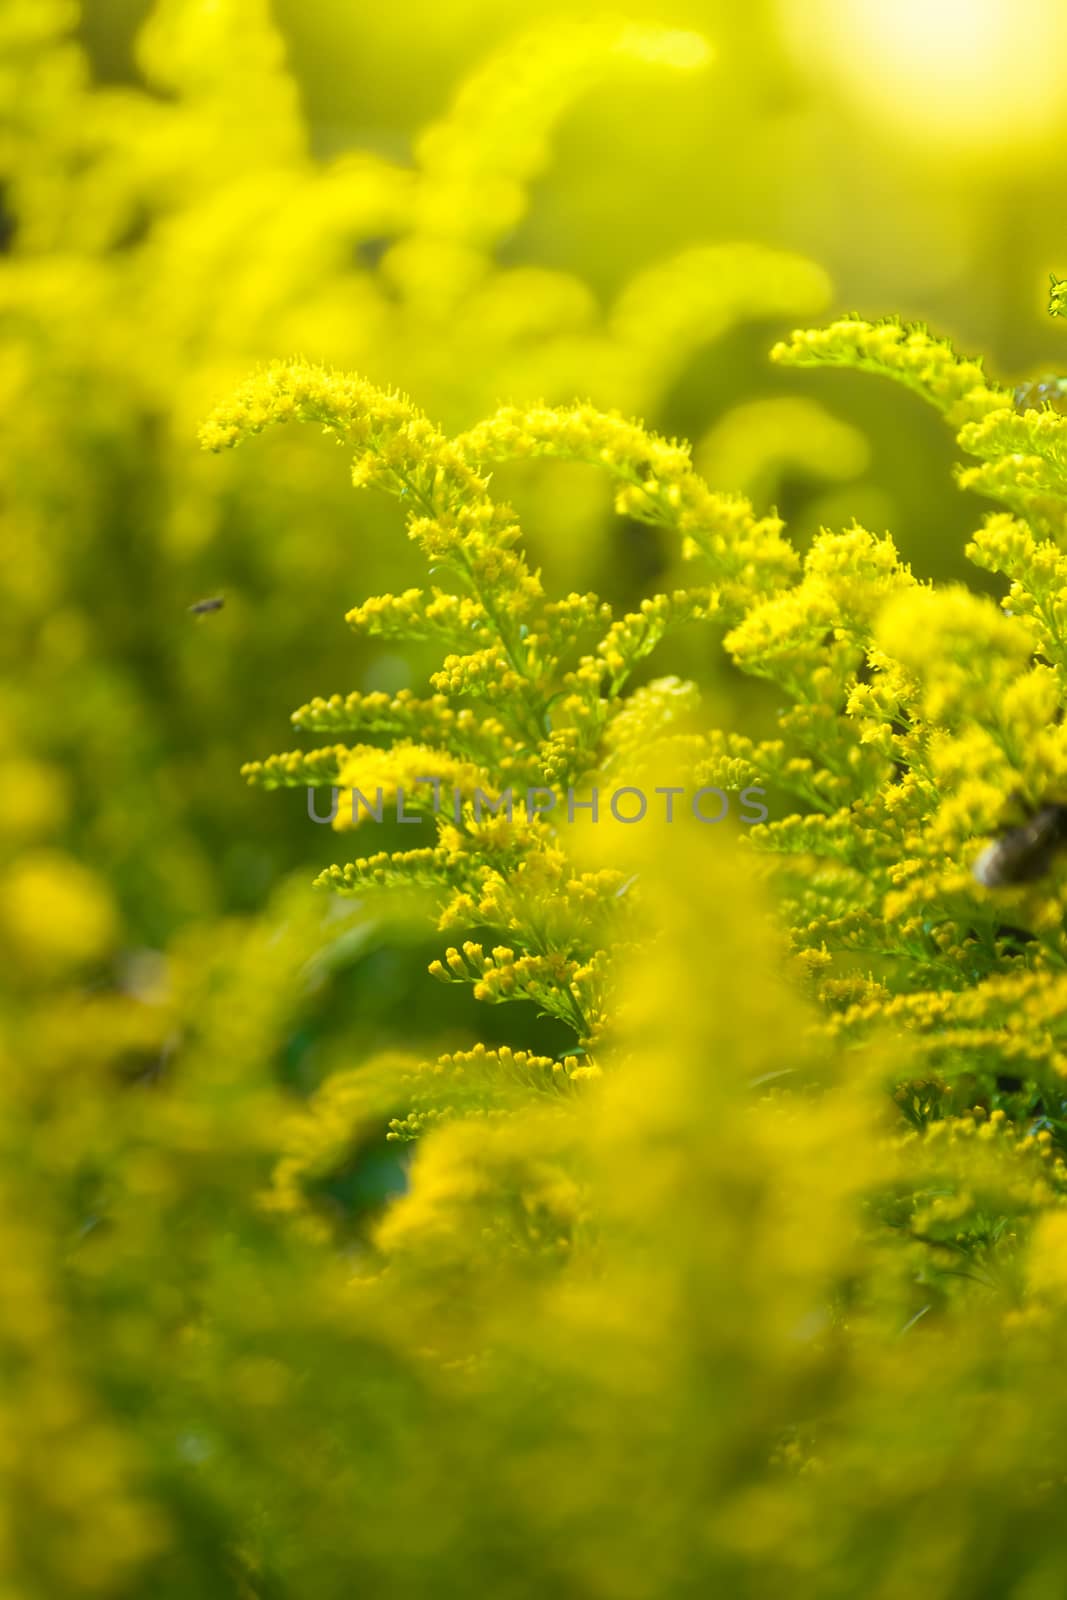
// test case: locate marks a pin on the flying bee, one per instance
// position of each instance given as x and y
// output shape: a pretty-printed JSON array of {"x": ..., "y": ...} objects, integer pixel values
[
  {"x": 202, "y": 607},
  {"x": 1025, "y": 853},
  {"x": 1040, "y": 392}
]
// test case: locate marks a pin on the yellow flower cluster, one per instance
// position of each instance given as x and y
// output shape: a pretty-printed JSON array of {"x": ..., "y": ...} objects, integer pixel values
[
  {"x": 909, "y": 354},
  {"x": 534, "y": 695},
  {"x": 917, "y": 718},
  {"x": 746, "y": 554}
]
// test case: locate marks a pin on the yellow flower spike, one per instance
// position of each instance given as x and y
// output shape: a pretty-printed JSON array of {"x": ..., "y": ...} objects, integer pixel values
[
  {"x": 909, "y": 354},
  {"x": 746, "y": 554}
]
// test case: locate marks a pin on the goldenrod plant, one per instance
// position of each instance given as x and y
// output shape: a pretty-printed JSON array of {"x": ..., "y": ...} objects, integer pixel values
[
  {"x": 924, "y": 912},
  {"x": 919, "y": 721},
  {"x": 627, "y": 1156},
  {"x": 529, "y": 708}
]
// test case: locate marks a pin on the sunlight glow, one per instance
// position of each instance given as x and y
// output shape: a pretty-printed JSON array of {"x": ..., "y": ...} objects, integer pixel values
[{"x": 974, "y": 74}]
